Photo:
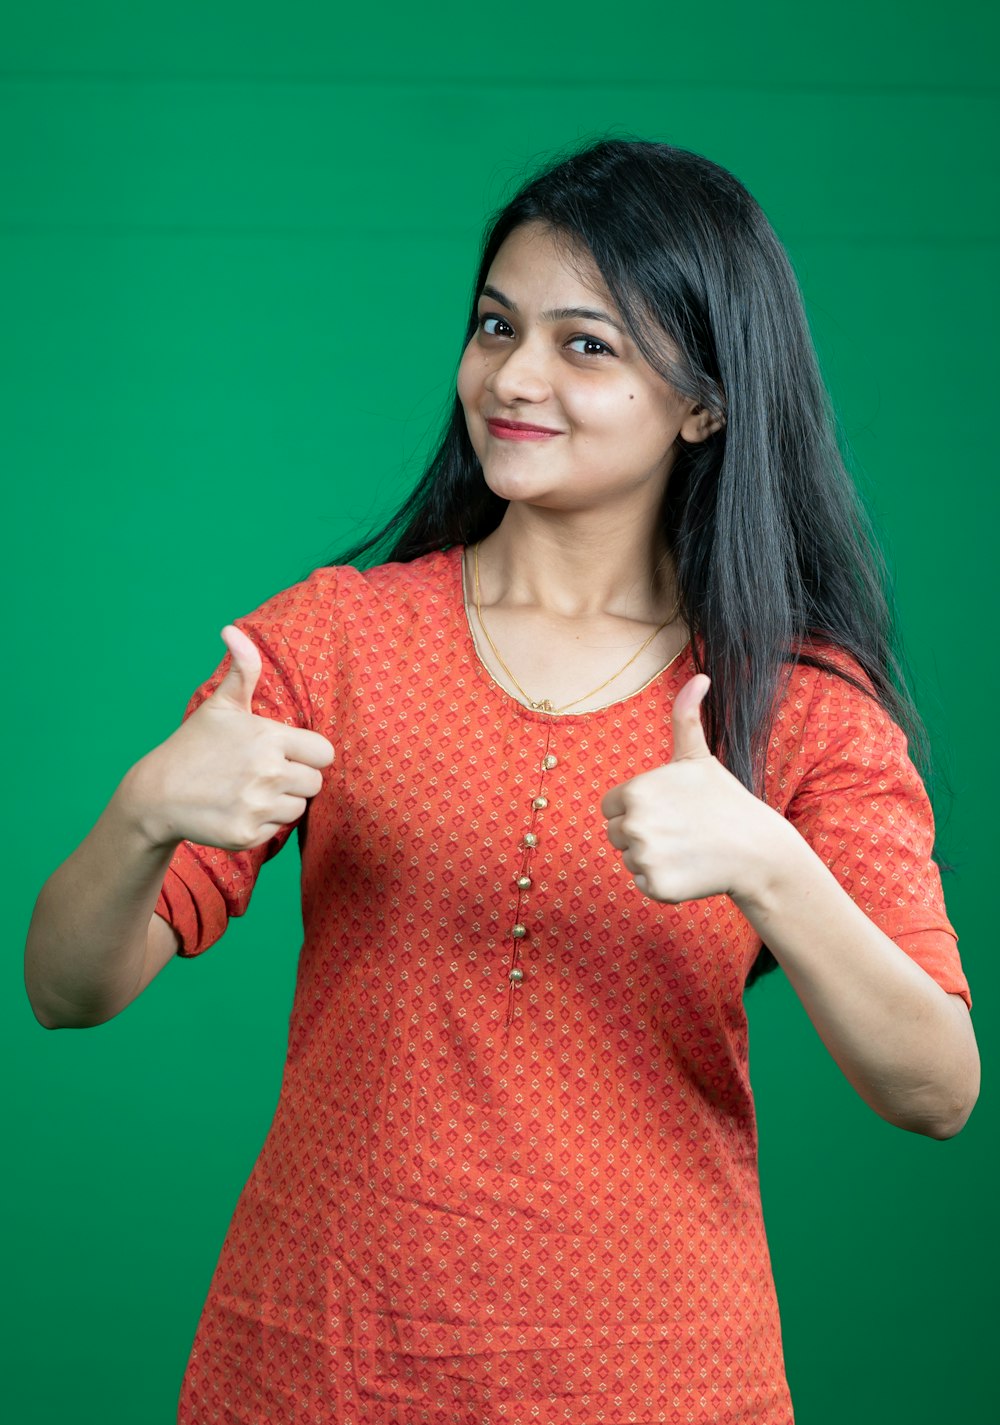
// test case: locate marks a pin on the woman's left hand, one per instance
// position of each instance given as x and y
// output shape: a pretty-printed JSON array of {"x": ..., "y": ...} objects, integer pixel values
[{"x": 689, "y": 829}]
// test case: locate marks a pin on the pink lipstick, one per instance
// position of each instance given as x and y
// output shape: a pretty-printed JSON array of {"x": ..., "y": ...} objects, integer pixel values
[{"x": 519, "y": 430}]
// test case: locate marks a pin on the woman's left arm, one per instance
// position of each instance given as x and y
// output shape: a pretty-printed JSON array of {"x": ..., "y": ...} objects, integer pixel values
[{"x": 690, "y": 829}]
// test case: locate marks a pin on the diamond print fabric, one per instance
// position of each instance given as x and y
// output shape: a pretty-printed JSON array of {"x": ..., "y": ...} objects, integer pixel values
[{"x": 495, "y": 1196}]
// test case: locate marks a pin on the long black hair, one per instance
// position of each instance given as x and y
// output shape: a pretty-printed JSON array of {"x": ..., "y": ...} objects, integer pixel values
[{"x": 772, "y": 550}]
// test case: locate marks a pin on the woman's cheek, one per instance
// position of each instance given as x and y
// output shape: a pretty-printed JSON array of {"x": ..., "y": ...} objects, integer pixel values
[{"x": 464, "y": 380}]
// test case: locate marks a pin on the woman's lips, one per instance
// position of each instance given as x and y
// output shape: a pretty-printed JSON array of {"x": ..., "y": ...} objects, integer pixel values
[{"x": 518, "y": 430}]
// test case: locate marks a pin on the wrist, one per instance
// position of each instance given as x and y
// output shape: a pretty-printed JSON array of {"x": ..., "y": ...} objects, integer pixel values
[
  {"x": 774, "y": 867},
  {"x": 136, "y": 805}
]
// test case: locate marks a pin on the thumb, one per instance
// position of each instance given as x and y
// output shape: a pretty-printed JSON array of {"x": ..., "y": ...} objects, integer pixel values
[
  {"x": 237, "y": 687},
  {"x": 689, "y": 735}
]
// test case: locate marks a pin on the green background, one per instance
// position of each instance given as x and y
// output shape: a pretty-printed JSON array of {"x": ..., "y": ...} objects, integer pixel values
[{"x": 236, "y": 242}]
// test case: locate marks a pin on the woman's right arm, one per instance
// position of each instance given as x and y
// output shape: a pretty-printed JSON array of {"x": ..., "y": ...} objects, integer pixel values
[
  {"x": 225, "y": 778},
  {"x": 94, "y": 941}
]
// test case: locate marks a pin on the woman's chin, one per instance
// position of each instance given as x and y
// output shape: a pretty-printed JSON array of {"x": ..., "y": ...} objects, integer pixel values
[{"x": 518, "y": 486}]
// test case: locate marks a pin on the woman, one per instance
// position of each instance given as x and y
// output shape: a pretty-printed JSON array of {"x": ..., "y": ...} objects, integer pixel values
[{"x": 620, "y": 711}]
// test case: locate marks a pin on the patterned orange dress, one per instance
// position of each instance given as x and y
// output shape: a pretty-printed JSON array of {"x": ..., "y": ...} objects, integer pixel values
[{"x": 527, "y": 1198}]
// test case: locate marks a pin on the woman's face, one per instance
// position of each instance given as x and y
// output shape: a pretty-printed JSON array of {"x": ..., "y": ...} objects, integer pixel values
[{"x": 562, "y": 409}]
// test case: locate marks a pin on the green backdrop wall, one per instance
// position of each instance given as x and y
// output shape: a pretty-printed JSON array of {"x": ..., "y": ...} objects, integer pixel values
[{"x": 235, "y": 247}]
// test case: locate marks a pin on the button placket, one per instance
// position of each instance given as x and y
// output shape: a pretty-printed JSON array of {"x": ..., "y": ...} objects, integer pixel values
[{"x": 523, "y": 881}]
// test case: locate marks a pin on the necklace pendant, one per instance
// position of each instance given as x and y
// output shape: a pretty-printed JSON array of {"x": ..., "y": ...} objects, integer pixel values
[{"x": 543, "y": 706}]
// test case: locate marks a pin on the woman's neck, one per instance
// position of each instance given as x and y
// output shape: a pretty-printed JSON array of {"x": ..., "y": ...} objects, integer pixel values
[{"x": 577, "y": 566}]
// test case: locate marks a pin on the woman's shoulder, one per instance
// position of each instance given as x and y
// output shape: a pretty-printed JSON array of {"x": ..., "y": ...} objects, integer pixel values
[
  {"x": 423, "y": 581},
  {"x": 339, "y": 592},
  {"x": 340, "y": 625},
  {"x": 830, "y": 716},
  {"x": 824, "y": 674},
  {"x": 822, "y": 658}
]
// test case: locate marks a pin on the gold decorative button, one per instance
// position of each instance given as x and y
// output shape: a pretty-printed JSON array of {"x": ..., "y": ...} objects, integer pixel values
[
  {"x": 540, "y": 803},
  {"x": 549, "y": 761},
  {"x": 519, "y": 932},
  {"x": 530, "y": 839},
  {"x": 524, "y": 883},
  {"x": 516, "y": 976}
]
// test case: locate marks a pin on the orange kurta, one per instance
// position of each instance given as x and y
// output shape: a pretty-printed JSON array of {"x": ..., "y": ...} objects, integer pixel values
[{"x": 536, "y": 1202}]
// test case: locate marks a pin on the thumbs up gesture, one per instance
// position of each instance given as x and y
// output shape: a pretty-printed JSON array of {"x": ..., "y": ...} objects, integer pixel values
[
  {"x": 688, "y": 829},
  {"x": 227, "y": 777}
]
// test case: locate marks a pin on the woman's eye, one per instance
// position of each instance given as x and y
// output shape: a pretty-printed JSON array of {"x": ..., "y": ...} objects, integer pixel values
[
  {"x": 590, "y": 346},
  {"x": 495, "y": 326}
]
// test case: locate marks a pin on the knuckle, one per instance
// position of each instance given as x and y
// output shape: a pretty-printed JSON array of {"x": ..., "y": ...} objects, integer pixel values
[
  {"x": 257, "y": 811},
  {"x": 268, "y": 767},
  {"x": 247, "y": 830}
]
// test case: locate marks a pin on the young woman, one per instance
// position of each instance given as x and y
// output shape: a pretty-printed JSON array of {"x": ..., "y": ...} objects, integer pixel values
[{"x": 619, "y": 711}]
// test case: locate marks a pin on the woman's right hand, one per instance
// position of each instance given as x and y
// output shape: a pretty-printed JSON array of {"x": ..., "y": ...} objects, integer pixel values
[{"x": 226, "y": 777}]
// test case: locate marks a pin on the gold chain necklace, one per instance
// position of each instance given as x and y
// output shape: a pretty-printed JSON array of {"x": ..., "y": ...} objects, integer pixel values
[{"x": 545, "y": 705}]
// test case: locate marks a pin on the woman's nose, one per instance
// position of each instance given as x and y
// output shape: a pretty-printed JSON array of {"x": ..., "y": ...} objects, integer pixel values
[{"x": 520, "y": 376}]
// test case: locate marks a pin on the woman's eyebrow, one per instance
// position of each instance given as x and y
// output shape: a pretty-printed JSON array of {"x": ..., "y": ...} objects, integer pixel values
[
  {"x": 498, "y": 296},
  {"x": 587, "y": 314},
  {"x": 556, "y": 314}
]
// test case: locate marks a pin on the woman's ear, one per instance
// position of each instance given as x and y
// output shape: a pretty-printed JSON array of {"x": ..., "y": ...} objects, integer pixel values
[{"x": 700, "y": 423}]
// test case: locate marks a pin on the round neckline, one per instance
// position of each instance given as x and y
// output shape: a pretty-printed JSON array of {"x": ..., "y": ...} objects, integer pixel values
[{"x": 457, "y": 557}]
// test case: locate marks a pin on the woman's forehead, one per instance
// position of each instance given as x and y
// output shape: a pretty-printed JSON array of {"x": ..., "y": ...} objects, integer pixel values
[{"x": 550, "y": 264}]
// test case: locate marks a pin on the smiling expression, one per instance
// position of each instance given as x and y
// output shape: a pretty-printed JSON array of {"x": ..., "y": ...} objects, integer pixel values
[{"x": 562, "y": 409}]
